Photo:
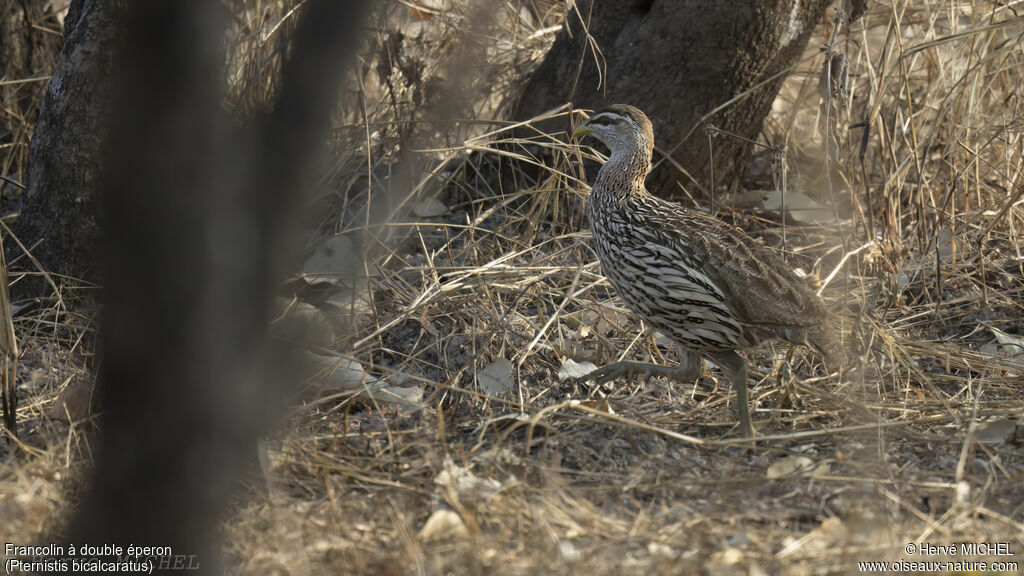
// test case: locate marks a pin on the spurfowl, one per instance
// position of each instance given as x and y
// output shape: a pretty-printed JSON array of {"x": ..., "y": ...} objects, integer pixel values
[{"x": 705, "y": 284}]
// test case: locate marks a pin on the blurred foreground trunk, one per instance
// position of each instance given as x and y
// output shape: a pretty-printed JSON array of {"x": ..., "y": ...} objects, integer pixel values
[{"x": 199, "y": 218}]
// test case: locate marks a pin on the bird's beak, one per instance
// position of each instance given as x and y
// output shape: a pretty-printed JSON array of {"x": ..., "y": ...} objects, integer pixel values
[{"x": 582, "y": 130}]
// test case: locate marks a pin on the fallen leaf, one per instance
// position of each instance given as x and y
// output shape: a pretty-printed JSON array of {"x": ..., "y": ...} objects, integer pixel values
[
  {"x": 730, "y": 556},
  {"x": 462, "y": 480},
  {"x": 1008, "y": 347},
  {"x": 332, "y": 259},
  {"x": 496, "y": 378},
  {"x": 659, "y": 549},
  {"x": 571, "y": 369},
  {"x": 334, "y": 374},
  {"x": 502, "y": 456},
  {"x": 946, "y": 244},
  {"x": 429, "y": 208},
  {"x": 1008, "y": 344},
  {"x": 74, "y": 403},
  {"x": 443, "y": 524},
  {"x": 996, "y": 432},
  {"x": 801, "y": 207},
  {"x": 790, "y": 466},
  {"x": 599, "y": 405},
  {"x": 568, "y": 551}
]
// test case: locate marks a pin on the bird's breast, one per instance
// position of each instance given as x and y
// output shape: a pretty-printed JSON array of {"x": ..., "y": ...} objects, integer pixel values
[{"x": 660, "y": 281}]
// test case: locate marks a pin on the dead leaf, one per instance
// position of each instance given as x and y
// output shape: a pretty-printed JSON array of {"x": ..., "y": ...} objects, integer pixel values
[
  {"x": 1007, "y": 347},
  {"x": 571, "y": 369},
  {"x": 443, "y": 524},
  {"x": 1008, "y": 344},
  {"x": 429, "y": 208},
  {"x": 334, "y": 258},
  {"x": 569, "y": 552},
  {"x": 996, "y": 432},
  {"x": 801, "y": 207},
  {"x": 74, "y": 403},
  {"x": 790, "y": 466},
  {"x": 729, "y": 556},
  {"x": 334, "y": 374},
  {"x": 946, "y": 244},
  {"x": 599, "y": 405},
  {"x": 462, "y": 480},
  {"x": 496, "y": 378}
]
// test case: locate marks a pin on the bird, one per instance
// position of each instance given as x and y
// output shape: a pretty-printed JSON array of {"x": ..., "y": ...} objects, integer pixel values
[{"x": 706, "y": 284}]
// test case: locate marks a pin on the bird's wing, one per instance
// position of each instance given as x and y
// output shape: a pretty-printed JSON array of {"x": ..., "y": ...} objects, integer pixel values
[{"x": 760, "y": 288}]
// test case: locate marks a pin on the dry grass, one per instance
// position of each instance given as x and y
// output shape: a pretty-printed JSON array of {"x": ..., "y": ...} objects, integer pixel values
[{"x": 914, "y": 445}]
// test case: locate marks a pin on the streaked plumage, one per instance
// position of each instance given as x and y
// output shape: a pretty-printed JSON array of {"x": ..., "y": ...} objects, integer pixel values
[{"x": 704, "y": 283}]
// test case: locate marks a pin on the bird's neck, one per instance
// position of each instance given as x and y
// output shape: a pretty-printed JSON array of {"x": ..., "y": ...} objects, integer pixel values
[{"x": 623, "y": 174}]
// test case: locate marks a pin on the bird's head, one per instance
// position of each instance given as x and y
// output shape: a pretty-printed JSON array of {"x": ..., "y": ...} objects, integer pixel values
[{"x": 620, "y": 127}]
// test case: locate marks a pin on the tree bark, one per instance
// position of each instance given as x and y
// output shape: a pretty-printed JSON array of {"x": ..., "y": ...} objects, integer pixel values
[
  {"x": 64, "y": 156},
  {"x": 678, "y": 60},
  {"x": 27, "y": 51}
]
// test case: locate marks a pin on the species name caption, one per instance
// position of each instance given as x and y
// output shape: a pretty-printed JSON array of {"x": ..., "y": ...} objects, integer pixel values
[{"x": 75, "y": 558}]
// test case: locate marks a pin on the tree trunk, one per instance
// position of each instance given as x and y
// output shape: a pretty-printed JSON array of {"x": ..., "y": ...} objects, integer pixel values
[
  {"x": 27, "y": 51},
  {"x": 65, "y": 153},
  {"x": 678, "y": 60},
  {"x": 200, "y": 219}
]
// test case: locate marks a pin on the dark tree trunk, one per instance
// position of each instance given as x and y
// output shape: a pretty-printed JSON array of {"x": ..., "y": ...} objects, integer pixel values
[
  {"x": 678, "y": 60},
  {"x": 65, "y": 152},
  {"x": 27, "y": 51},
  {"x": 199, "y": 228}
]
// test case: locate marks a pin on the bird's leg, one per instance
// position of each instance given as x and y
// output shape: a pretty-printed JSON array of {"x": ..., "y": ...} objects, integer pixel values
[
  {"x": 788, "y": 395},
  {"x": 736, "y": 366},
  {"x": 689, "y": 369},
  {"x": 743, "y": 401}
]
